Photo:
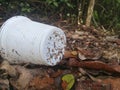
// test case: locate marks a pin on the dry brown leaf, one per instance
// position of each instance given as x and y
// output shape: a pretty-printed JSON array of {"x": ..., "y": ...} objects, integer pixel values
[
  {"x": 91, "y": 85},
  {"x": 88, "y": 54},
  {"x": 74, "y": 53},
  {"x": 9, "y": 69},
  {"x": 113, "y": 39},
  {"x": 81, "y": 56},
  {"x": 75, "y": 36},
  {"x": 4, "y": 84},
  {"x": 90, "y": 76},
  {"x": 115, "y": 83},
  {"x": 42, "y": 83},
  {"x": 23, "y": 80},
  {"x": 118, "y": 41},
  {"x": 97, "y": 65},
  {"x": 64, "y": 85},
  {"x": 56, "y": 74},
  {"x": 68, "y": 54}
]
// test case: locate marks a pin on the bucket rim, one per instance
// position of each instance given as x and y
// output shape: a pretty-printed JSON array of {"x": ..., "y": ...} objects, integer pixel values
[{"x": 14, "y": 18}]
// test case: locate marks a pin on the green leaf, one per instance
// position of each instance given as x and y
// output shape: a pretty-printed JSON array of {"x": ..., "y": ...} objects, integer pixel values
[
  {"x": 69, "y": 5},
  {"x": 55, "y": 4},
  {"x": 69, "y": 78},
  {"x": 96, "y": 16}
]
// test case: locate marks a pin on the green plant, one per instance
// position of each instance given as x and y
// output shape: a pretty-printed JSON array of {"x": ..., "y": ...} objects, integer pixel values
[{"x": 107, "y": 13}]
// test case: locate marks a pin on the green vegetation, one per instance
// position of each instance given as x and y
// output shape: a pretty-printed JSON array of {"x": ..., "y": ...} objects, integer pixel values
[{"x": 106, "y": 12}]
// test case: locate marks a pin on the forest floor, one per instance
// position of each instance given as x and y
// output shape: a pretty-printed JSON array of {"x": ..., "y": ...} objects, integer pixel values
[{"x": 91, "y": 62}]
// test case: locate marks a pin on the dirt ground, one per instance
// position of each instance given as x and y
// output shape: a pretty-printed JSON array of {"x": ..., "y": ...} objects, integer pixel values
[{"x": 91, "y": 62}]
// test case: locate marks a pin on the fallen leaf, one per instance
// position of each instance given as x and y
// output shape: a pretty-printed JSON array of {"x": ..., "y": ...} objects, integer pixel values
[
  {"x": 97, "y": 65},
  {"x": 68, "y": 54},
  {"x": 90, "y": 76},
  {"x": 88, "y": 54},
  {"x": 80, "y": 32},
  {"x": 42, "y": 83},
  {"x": 4, "y": 84},
  {"x": 91, "y": 85},
  {"x": 115, "y": 83},
  {"x": 75, "y": 36},
  {"x": 9, "y": 69},
  {"x": 56, "y": 74},
  {"x": 74, "y": 53},
  {"x": 64, "y": 85},
  {"x": 113, "y": 39},
  {"x": 81, "y": 56},
  {"x": 68, "y": 81},
  {"x": 23, "y": 80},
  {"x": 118, "y": 41}
]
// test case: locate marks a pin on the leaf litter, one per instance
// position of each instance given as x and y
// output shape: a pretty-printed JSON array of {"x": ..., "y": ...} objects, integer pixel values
[{"x": 91, "y": 62}]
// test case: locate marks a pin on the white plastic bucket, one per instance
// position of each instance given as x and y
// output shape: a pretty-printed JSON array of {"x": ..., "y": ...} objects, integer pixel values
[{"x": 25, "y": 41}]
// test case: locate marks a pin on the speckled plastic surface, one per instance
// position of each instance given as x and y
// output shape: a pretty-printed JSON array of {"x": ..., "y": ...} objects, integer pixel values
[{"x": 25, "y": 41}]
